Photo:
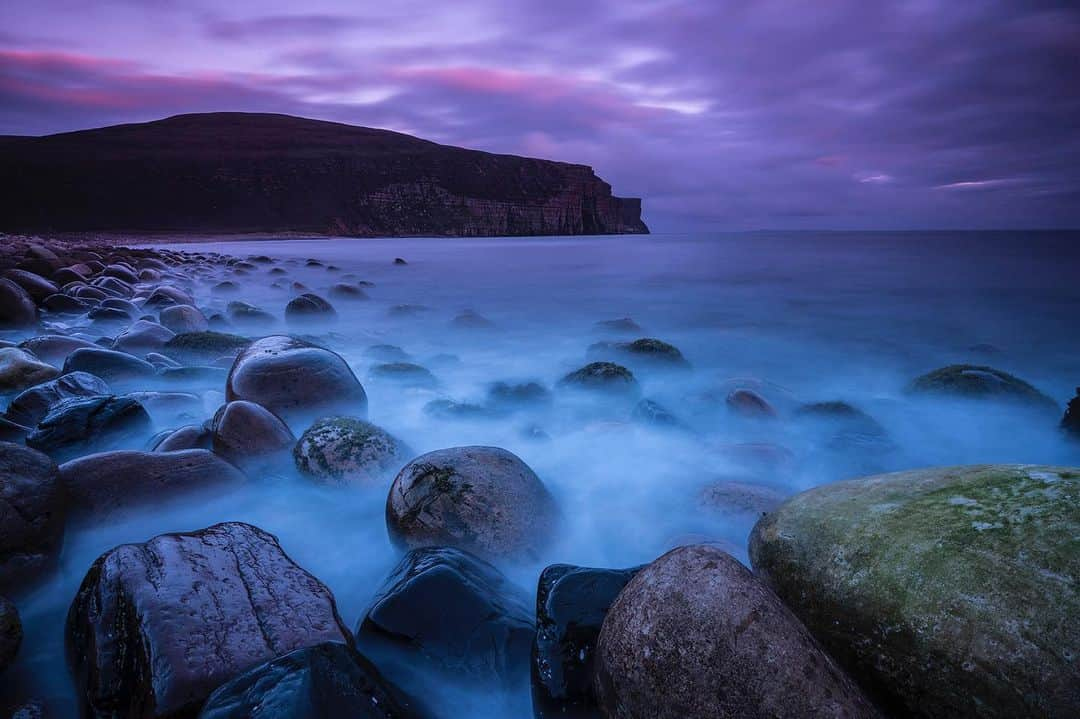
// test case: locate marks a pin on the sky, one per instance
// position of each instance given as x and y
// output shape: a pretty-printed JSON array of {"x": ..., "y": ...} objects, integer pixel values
[{"x": 721, "y": 114}]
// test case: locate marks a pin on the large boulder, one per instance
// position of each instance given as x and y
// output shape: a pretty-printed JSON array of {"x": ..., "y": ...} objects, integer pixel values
[
  {"x": 183, "y": 319},
  {"x": 644, "y": 350},
  {"x": 141, "y": 337},
  {"x": 204, "y": 346},
  {"x": 1070, "y": 423},
  {"x": 346, "y": 450},
  {"x": 309, "y": 307},
  {"x": 292, "y": 378},
  {"x": 20, "y": 369},
  {"x": 326, "y": 680},
  {"x": 979, "y": 382},
  {"x": 156, "y": 627},
  {"x": 109, "y": 365},
  {"x": 10, "y": 632},
  {"x": 35, "y": 285},
  {"x": 190, "y": 436},
  {"x": 31, "y": 514},
  {"x": 54, "y": 349},
  {"x": 948, "y": 591},
  {"x": 446, "y": 611},
  {"x": 695, "y": 634},
  {"x": 244, "y": 432},
  {"x": 571, "y": 603},
  {"x": 103, "y": 484},
  {"x": 17, "y": 308},
  {"x": 481, "y": 499},
  {"x": 602, "y": 376},
  {"x": 77, "y": 425}
]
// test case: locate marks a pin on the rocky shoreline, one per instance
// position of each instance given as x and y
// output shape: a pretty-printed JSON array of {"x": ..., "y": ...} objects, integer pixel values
[{"x": 939, "y": 592}]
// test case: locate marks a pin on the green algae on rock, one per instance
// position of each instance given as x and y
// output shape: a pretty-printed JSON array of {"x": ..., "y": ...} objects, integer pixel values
[
  {"x": 946, "y": 591},
  {"x": 980, "y": 382},
  {"x": 344, "y": 450}
]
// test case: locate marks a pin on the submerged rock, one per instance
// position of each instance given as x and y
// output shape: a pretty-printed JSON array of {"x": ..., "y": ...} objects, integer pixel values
[
  {"x": 623, "y": 325},
  {"x": 76, "y": 425},
  {"x": 470, "y": 319},
  {"x": 445, "y": 610},
  {"x": 345, "y": 291},
  {"x": 249, "y": 315},
  {"x": 948, "y": 591},
  {"x": 324, "y": 681},
  {"x": 103, "y": 484},
  {"x": 11, "y": 633},
  {"x": 290, "y": 377},
  {"x": 141, "y": 337},
  {"x": 20, "y": 369},
  {"x": 980, "y": 382},
  {"x": 387, "y": 353},
  {"x": 54, "y": 349},
  {"x": 571, "y": 603},
  {"x": 308, "y": 307},
  {"x": 405, "y": 373},
  {"x": 604, "y": 376},
  {"x": 205, "y": 346},
  {"x": 507, "y": 395},
  {"x": 481, "y": 499},
  {"x": 695, "y": 634},
  {"x": 109, "y": 365},
  {"x": 244, "y": 432},
  {"x": 31, "y": 514},
  {"x": 156, "y": 627},
  {"x": 652, "y": 413},
  {"x": 737, "y": 498},
  {"x": 184, "y": 319},
  {"x": 646, "y": 349},
  {"x": 748, "y": 403},
  {"x": 346, "y": 450},
  {"x": 449, "y": 410}
]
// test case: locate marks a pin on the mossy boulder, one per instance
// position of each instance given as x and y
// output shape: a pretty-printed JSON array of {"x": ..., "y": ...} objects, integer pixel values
[
  {"x": 946, "y": 591},
  {"x": 347, "y": 450},
  {"x": 191, "y": 346},
  {"x": 403, "y": 373},
  {"x": 603, "y": 376},
  {"x": 980, "y": 382}
]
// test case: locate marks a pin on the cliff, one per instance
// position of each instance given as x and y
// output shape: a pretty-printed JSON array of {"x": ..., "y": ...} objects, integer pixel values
[{"x": 244, "y": 172}]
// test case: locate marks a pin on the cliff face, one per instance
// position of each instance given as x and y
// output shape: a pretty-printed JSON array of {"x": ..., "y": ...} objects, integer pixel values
[{"x": 240, "y": 172}]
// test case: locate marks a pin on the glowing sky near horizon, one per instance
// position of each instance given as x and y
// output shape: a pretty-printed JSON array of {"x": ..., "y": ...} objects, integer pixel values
[{"x": 720, "y": 114}]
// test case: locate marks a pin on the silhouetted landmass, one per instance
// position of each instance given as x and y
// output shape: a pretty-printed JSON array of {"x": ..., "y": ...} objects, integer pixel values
[{"x": 247, "y": 172}]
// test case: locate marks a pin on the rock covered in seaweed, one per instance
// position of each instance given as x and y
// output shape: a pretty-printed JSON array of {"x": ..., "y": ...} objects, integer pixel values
[{"x": 346, "y": 450}]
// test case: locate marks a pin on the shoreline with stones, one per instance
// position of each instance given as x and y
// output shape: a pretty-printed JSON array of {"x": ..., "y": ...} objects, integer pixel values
[{"x": 934, "y": 592}]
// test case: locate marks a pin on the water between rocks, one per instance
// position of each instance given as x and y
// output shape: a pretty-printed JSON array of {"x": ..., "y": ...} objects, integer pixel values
[{"x": 805, "y": 317}]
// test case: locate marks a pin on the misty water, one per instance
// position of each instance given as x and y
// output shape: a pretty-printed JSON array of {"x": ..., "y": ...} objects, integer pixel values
[{"x": 801, "y": 317}]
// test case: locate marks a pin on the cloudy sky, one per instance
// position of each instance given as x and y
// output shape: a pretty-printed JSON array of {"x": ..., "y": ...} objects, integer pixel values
[{"x": 722, "y": 114}]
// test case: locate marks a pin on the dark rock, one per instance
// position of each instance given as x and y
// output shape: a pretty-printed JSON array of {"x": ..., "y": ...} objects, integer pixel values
[
  {"x": 31, "y": 514},
  {"x": 652, "y": 413},
  {"x": 156, "y": 627},
  {"x": 948, "y": 592},
  {"x": 204, "y": 346},
  {"x": 20, "y": 369},
  {"x": 228, "y": 287},
  {"x": 11, "y": 633},
  {"x": 645, "y": 349},
  {"x": 75, "y": 425},
  {"x": 748, "y": 403},
  {"x": 446, "y": 611},
  {"x": 450, "y": 410},
  {"x": 113, "y": 287},
  {"x": 54, "y": 349},
  {"x": 507, "y": 395},
  {"x": 248, "y": 315},
  {"x": 121, "y": 272},
  {"x": 387, "y": 353},
  {"x": 86, "y": 292},
  {"x": 407, "y": 310},
  {"x": 1070, "y": 423},
  {"x": 100, "y": 485},
  {"x": 481, "y": 499},
  {"x": 66, "y": 305},
  {"x": 192, "y": 436},
  {"x": 290, "y": 377},
  {"x": 602, "y": 376},
  {"x": 470, "y": 320},
  {"x": 979, "y": 382},
  {"x": 346, "y": 450},
  {"x": 109, "y": 365},
  {"x": 405, "y": 373},
  {"x": 244, "y": 432},
  {"x": 695, "y": 634},
  {"x": 308, "y": 307},
  {"x": 17, "y": 308},
  {"x": 12, "y": 431},
  {"x": 571, "y": 603},
  {"x": 33, "y": 709},
  {"x": 320, "y": 682},
  {"x": 400, "y": 261},
  {"x": 166, "y": 295},
  {"x": 183, "y": 319},
  {"x": 344, "y": 291},
  {"x": 35, "y": 285},
  {"x": 142, "y": 337}
]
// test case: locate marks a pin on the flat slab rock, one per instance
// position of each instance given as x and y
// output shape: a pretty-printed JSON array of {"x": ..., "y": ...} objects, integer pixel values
[{"x": 156, "y": 627}]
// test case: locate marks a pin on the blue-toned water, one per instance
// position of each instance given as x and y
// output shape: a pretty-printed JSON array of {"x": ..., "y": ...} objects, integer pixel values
[{"x": 799, "y": 317}]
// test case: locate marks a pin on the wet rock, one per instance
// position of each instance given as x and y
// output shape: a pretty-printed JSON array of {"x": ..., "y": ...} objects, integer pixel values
[
  {"x": 35, "y": 285},
  {"x": 205, "y": 346},
  {"x": 387, "y": 353},
  {"x": 571, "y": 603},
  {"x": 405, "y": 373},
  {"x": 183, "y": 319},
  {"x": 244, "y": 432},
  {"x": 471, "y": 320},
  {"x": 748, "y": 403},
  {"x": 506, "y": 395},
  {"x": 1070, "y": 423},
  {"x": 653, "y": 413},
  {"x": 142, "y": 337},
  {"x": 109, "y": 315},
  {"x": 121, "y": 272},
  {"x": 481, "y": 499},
  {"x": 602, "y": 376},
  {"x": 12, "y": 431},
  {"x": 400, "y": 261},
  {"x": 741, "y": 499},
  {"x": 113, "y": 287},
  {"x": 980, "y": 382},
  {"x": 695, "y": 634},
  {"x": 65, "y": 305},
  {"x": 447, "y": 611},
  {"x": 947, "y": 591},
  {"x": 86, "y": 292},
  {"x": 623, "y": 325},
  {"x": 109, "y": 365},
  {"x": 54, "y": 349},
  {"x": 31, "y": 514},
  {"x": 166, "y": 295},
  {"x": 20, "y": 369},
  {"x": 228, "y": 287},
  {"x": 451, "y": 410},
  {"x": 345, "y": 291},
  {"x": 326, "y": 680},
  {"x": 17, "y": 308},
  {"x": 346, "y": 450},
  {"x": 161, "y": 362},
  {"x": 652, "y": 350},
  {"x": 843, "y": 427},
  {"x": 156, "y": 627},
  {"x": 191, "y": 436},
  {"x": 291, "y": 378},
  {"x": 10, "y": 633},
  {"x": 248, "y": 315},
  {"x": 76, "y": 425},
  {"x": 108, "y": 483},
  {"x": 308, "y": 307},
  {"x": 408, "y": 310}
]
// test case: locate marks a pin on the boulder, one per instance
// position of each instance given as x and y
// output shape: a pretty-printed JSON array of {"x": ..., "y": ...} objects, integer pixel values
[
  {"x": 481, "y": 499},
  {"x": 652, "y": 413},
  {"x": 10, "y": 633},
  {"x": 109, "y": 365},
  {"x": 121, "y": 272},
  {"x": 244, "y": 432},
  {"x": 623, "y": 325},
  {"x": 249, "y": 315},
  {"x": 308, "y": 307},
  {"x": 449, "y": 410},
  {"x": 77, "y": 425},
  {"x": 471, "y": 320},
  {"x": 445, "y": 611},
  {"x": 602, "y": 376},
  {"x": 156, "y": 627},
  {"x": 292, "y": 378},
  {"x": 645, "y": 349},
  {"x": 326, "y": 680},
  {"x": 748, "y": 403},
  {"x": 513, "y": 395},
  {"x": 404, "y": 373},
  {"x": 35, "y": 285},
  {"x": 345, "y": 291},
  {"x": 695, "y": 634},
  {"x": 31, "y": 514},
  {"x": 346, "y": 450},
  {"x": 17, "y": 308},
  {"x": 194, "y": 347},
  {"x": 191, "y": 436},
  {"x": 980, "y": 382},
  {"x": 1070, "y": 423},
  {"x": 142, "y": 337},
  {"x": 66, "y": 304},
  {"x": 20, "y": 369},
  {"x": 108, "y": 483},
  {"x": 736, "y": 498},
  {"x": 947, "y": 591},
  {"x": 54, "y": 349},
  {"x": 571, "y": 603},
  {"x": 166, "y": 295},
  {"x": 387, "y": 353},
  {"x": 183, "y": 319}
]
